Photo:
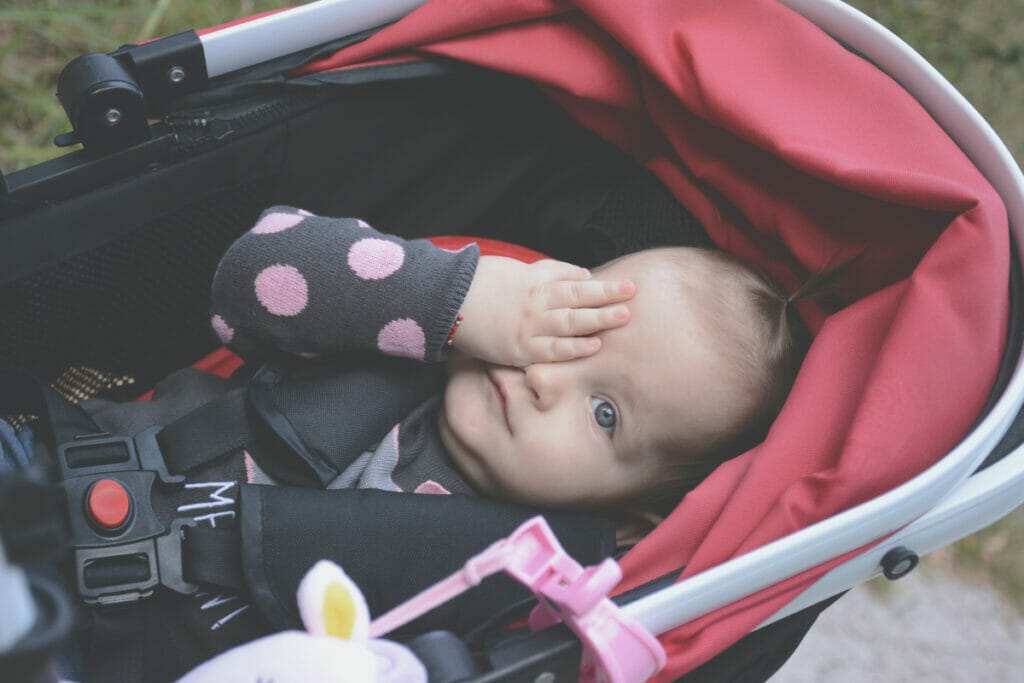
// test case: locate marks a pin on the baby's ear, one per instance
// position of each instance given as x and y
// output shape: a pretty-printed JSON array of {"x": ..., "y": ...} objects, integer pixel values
[{"x": 332, "y": 605}]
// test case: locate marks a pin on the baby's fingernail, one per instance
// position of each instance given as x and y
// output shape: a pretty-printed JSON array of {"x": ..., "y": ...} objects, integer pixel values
[
  {"x": 620, "y": 313},
  {"x": 627, "y": 287}
]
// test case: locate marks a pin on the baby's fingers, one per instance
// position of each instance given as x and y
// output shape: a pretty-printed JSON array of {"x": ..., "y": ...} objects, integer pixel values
[
  {"x": 589, "y": 293},
  {"x": 580, "y": 322},
  {"x": 553, "y": 349}
]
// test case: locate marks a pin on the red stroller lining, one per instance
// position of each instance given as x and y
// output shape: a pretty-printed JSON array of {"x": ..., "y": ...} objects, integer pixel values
[{"x": 795, "y": 154}]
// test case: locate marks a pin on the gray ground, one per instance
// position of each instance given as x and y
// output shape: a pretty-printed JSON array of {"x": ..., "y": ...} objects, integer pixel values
[{"x": 930, "y": 626}]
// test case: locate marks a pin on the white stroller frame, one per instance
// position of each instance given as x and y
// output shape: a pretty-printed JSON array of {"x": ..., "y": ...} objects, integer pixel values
[{"x": 942, "y": 504}]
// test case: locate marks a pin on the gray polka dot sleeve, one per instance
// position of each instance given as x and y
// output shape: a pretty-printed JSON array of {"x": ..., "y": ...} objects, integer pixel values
[{"x": 312, "y": 286}]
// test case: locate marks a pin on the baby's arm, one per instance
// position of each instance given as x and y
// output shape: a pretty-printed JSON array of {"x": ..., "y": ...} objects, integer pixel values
[
  {"x": 517, "y": 313},
  {"x": 311, "y": 286}
]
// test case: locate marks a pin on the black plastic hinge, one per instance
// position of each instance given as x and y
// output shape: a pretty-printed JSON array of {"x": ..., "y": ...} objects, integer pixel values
[
  {"x": 166, "y": 69},
  {"x": 109, "y": 98}
]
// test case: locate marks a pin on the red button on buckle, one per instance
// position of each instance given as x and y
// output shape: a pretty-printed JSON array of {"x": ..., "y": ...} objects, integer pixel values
[{"x": 108, "y": 503}]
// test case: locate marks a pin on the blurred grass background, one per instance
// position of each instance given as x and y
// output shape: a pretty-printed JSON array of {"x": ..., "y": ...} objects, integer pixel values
[
  {"x": 977, "y": 45},
  {"x": 38, "y": 37}
]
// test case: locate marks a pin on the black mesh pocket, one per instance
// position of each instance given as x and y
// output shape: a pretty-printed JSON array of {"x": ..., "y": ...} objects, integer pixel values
[
  {"x": 640, "y": 213},
  {"x": 115, "y": 319}
]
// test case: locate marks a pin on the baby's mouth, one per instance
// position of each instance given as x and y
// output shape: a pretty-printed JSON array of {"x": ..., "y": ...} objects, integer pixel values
[{"x": 502, "y": 398}]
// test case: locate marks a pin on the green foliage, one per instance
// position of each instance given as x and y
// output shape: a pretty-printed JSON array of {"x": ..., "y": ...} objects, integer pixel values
[
  {"x": 38, "y": 37},
  {"x": 977, "y": 45}
]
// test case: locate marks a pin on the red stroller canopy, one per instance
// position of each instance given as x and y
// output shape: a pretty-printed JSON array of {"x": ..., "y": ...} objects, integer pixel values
[{"x": 795, "y": 154}]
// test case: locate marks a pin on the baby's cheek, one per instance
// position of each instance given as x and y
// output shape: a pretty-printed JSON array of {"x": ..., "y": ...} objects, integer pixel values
[
  {"x": 467, "y": 415},
  {"x": 544, "y": 451}
]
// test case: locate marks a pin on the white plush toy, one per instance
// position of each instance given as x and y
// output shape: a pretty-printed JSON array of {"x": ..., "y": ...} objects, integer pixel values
[{"x": 336, "y": 645}]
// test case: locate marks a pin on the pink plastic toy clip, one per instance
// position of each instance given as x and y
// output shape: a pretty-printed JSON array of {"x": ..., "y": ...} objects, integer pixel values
[{"x": 615, "y": 648}]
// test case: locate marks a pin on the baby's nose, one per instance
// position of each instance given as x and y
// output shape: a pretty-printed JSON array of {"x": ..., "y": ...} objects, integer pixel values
[{"x": 545, "y": 381}]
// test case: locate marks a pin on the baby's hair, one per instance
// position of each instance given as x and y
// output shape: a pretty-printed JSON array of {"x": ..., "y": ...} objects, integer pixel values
[{"x": 771, "y": 341}]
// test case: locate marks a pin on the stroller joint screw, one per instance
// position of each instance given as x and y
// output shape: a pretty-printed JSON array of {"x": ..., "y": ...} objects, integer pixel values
[
  {"x": 898, "y": 562},
  {"x": 176, "y": 74},
  {"x": 112, "y": 117}
]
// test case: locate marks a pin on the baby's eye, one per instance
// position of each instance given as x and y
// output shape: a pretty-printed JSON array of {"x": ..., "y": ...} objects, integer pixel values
[{"x": 604, "y": 414}]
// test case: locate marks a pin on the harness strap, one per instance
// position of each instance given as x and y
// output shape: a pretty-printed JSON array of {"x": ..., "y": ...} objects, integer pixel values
[
  {"x": 201, "y": 436},
  {"x": 116, "y": 645},
  {"x": 213, "y": 555},
  {"x": 206, "y": 433}
]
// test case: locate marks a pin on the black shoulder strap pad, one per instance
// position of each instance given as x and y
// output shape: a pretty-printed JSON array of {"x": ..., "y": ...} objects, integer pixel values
[{"x": 392, "y": 545}]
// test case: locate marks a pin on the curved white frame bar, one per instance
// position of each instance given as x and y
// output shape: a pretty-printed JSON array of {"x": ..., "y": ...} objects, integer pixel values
[
  {"x": 874, "y": 519},
  {"x": 982, "y": 499},
  {"x": 244, "y": 45},
  {"x": 319, "y": 22}
]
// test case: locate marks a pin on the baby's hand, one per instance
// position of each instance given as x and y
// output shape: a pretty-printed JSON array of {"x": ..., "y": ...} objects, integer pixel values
[{"x": 517, "y": 313}]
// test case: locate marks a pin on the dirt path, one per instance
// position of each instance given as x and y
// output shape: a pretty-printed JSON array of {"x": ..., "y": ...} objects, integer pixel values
[{"x": 929, "y": 626}]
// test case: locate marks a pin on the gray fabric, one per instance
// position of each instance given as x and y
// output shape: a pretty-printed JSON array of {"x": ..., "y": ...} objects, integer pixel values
[
  {"x": 342, "y": 406},
  {"x": 176, "y": 395},
  {"x": 410, "y": 455},
  {"x": 336, "y": 286},
  {"x": 423, "y": 457}
]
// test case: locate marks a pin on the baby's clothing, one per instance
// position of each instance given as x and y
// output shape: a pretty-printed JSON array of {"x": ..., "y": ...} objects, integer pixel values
[
  {"x": 321, "y": 288},
  {"x": 312, "y": 286}
]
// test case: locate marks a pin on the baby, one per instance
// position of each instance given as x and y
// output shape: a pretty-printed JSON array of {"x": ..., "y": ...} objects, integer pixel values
[{"x": 564, "y": 388}]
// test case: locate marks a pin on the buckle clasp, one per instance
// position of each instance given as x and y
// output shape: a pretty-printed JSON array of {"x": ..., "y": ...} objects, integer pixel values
[{"x": 120, "y": 556}]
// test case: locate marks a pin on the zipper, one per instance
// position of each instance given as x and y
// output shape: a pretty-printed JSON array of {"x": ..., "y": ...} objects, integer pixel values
[{"x": 195, "y": 130}]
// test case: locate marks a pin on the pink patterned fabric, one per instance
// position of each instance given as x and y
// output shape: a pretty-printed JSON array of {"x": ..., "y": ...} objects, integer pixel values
[
  {"x": 282, "y": 290},
  {"x": 375, "y": 259},
  {"x": 402, "y": 337},
  {"x": 276, "y": 222},
  {"x": 432, "y": 487},
  {"x": 224, "y": 331}
]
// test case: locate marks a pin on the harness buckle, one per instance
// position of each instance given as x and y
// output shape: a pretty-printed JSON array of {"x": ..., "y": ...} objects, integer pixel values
[{"x": 122, "y": 549}]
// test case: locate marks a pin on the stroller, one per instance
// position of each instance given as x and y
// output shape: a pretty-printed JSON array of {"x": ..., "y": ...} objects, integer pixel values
[{"x": 543, "y": 123}]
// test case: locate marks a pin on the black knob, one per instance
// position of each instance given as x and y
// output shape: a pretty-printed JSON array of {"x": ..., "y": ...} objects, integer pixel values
[{"x": 899, "y": 562}]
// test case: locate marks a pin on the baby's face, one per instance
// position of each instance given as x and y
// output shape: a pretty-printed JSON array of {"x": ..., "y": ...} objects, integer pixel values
[{"x": 593, "y": 430}]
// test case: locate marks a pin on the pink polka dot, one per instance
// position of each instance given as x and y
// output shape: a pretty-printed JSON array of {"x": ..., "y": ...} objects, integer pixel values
[
  {"x": 432, "y": 487},
  {"x": 282, "y": 290},
  {"x": 402, "y": 337},
  {"x": 250, "y": 468},
  {"x": 374, "y": 259},
  {"x": 224, "y": 331},
  {"x": 276, "y": 222}
]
